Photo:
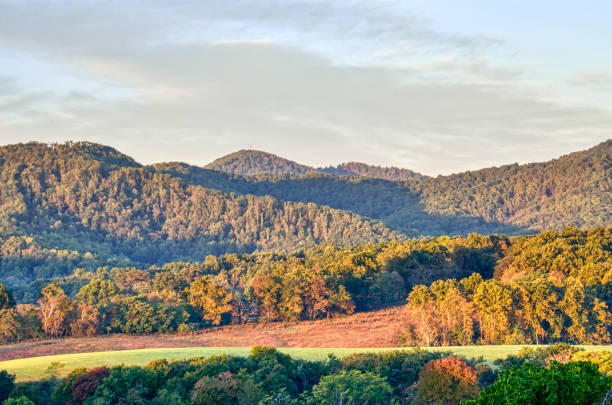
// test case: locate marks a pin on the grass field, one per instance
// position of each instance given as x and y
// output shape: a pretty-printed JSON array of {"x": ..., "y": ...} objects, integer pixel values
[{"x": 34, "y": 368}]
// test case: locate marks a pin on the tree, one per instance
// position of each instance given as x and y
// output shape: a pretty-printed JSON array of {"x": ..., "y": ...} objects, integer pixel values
[
  {"x": 446, "y": 381},
  {"x": 352, "y": 387},
  {"x": 7, "y": 300},
  {"x": 97, "y": 291},
  {"x": 213, "y": 300},
  {"x": 54, "y": 311},
  {"x": 7, "y": 384},
  {"x": 267, "y": 290},
  {"x": 87, "y": 319},
  {"x": 217, "y": 390},
  {"x": 10, "y": 325},
  {"x": 85, "y": 385},
  {"x": 494, "y": 302},
  {"x": 575, "y": 383}
]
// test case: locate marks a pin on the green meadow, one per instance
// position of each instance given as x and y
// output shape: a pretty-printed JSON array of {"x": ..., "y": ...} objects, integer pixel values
[{"x": 35, "y": 368}]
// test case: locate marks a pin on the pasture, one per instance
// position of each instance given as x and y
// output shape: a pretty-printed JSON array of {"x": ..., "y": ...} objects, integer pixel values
[{"x": 35, "y": 368}]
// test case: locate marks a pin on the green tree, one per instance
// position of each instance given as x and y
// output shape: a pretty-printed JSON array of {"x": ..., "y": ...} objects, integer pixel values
[
  {"x": 22, "y": 400},
  {"x": 576, "y": 383},
  {"x": 96, "y": 291},
  {"x": 7, "y": 384},
  {"x": 352, "y": 387}
]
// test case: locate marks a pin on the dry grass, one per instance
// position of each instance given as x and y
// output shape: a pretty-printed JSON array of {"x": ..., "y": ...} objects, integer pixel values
[{"x": 368, "y": 329}]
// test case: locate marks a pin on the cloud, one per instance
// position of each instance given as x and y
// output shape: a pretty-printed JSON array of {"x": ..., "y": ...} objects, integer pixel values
[
  {"x": 594, "y": 80},
  {"x": 317, "y": 82},
  {"x": 311, "y": 110}
]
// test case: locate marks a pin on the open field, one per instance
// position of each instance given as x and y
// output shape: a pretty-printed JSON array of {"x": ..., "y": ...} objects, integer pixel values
[
  {"x": 34, "y": 368},
  {"x": 380, "y": 328}
]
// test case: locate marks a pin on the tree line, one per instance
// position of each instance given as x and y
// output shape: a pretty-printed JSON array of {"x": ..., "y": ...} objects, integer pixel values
[
  {"x": 462, "y": 290},
  {"x": 553, "y": 376}
]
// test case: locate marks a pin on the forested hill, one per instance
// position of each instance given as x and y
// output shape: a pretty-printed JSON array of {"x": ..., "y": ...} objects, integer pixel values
[
  {"x": 575, "y": 189},
  {"x": 253, "y": 162},
  {"x": 374, "y": 172},
  {"x": 513, "y": 199},
  {"x": 86, "y": 205}
]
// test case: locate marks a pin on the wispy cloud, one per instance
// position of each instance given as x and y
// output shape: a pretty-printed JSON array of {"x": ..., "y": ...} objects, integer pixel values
[{"x": 319, "y": 82}]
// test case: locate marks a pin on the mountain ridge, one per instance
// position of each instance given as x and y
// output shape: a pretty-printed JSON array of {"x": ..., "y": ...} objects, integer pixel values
[{"x": 83, "y": 205}]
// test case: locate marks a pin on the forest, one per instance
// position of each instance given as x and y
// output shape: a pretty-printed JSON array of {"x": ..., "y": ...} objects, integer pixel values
[
  {"x": 543, "y": 288},
  {"x": 84, "y": 205}
]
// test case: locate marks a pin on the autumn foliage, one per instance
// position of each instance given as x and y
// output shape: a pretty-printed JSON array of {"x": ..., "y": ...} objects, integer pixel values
[{"x": 447, "y": 381}]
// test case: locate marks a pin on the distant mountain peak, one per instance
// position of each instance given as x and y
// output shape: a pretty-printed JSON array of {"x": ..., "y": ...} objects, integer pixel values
[
  {"x": 375, "y": 172},
  {"x": 254, "y": 162}
]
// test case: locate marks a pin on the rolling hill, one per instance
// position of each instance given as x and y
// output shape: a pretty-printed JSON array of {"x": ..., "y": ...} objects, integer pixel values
[{"x": 83, "y": 205}]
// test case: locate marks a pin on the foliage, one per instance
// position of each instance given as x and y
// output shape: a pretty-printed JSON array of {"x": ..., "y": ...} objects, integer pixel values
[
  {"x": 82, "y": 205},
  {"x": 447, "y": 381},
  {"x": 22, "y": 400},
  {"x": 535, "y": 310},
  {"x": 353, "y": 387},
  {"x": 574, "y": 383},
  {"x": 7, "y": 301},
  {"x": 54, "y": 310},
  {"x": 7, "y": 384}
]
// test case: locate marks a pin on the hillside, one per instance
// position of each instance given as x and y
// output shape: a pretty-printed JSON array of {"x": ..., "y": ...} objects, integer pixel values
[
  {"x": 253, "y": 162},
  {"x": 374, "y": 172},
  {"x": 575, "y": 189},
  {"x": 515, "y": 199},
  {"x": 84, "y": 205}
]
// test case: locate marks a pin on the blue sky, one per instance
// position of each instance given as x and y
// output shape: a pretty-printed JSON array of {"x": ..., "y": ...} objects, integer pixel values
[{"x": 434, "y": 86}]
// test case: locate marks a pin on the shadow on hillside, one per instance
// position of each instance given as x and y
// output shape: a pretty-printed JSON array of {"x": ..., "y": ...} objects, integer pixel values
[{"x": 393, "y": 203}]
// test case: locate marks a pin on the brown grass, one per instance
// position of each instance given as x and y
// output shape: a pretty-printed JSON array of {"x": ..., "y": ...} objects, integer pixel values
[{"x": 368, "y": 329}]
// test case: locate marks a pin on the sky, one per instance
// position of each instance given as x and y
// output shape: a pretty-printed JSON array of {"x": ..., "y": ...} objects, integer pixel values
[{"x": 434, "y": 86}]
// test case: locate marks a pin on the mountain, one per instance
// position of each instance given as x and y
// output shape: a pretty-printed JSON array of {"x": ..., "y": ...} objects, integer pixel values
[
  {"x": 374, "y": 172},
  {"x": 86, "y": 205},
  {"x": 575, "y": 189},
  {"x": 82, "y": 205},
  {"x": 512, "y": 199},
  {"x": 254, "y": 162}
]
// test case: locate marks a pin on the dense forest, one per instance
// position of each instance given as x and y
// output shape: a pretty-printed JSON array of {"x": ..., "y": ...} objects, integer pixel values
[
  {"x": 514, "y": 199},
  {"x": 549, "y": 287},
  {"x": 557, "y": 375},
  {"x": 82, "y": 205}
]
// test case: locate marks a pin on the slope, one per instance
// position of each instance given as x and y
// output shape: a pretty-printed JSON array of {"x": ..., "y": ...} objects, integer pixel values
[{"x": 87, "y": 205}]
